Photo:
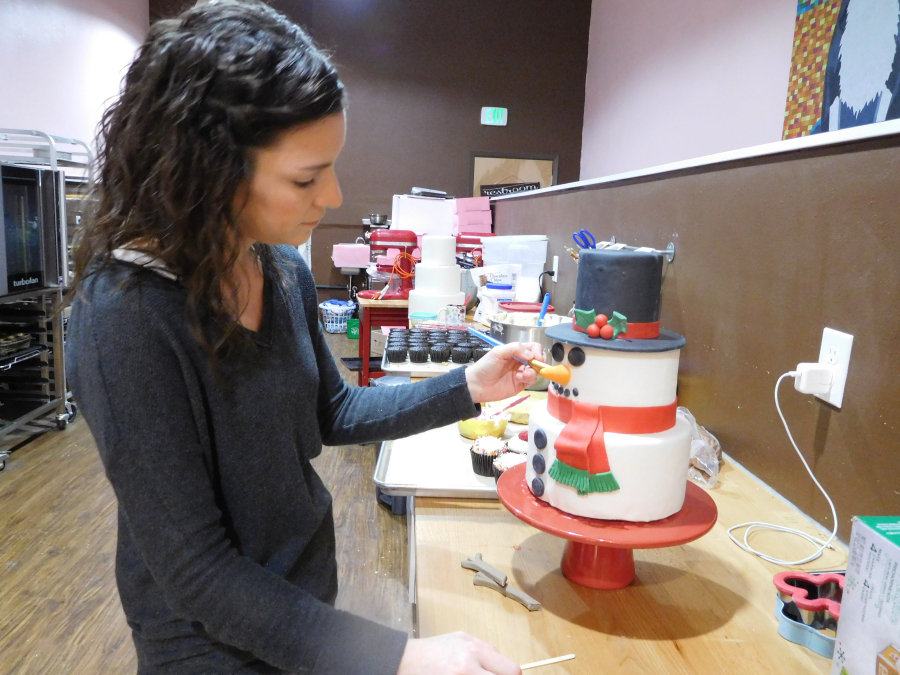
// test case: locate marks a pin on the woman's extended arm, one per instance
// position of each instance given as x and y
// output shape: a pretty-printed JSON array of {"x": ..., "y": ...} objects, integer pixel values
[{"x": 142, "y": 409}]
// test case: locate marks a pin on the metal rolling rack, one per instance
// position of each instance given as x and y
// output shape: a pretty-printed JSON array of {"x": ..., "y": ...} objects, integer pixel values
[{"x": 33, "y": 380}]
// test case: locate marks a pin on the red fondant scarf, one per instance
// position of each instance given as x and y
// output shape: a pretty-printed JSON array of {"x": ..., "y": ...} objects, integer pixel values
[{"x": 581, "y": 445}]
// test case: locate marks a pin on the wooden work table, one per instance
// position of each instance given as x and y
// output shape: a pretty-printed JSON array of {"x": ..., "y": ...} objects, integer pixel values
[{"x": 705, "y": 607}]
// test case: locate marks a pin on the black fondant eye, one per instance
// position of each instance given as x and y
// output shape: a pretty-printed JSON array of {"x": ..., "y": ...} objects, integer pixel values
[
  {"x": 576, "y": 356},
  {"x": 574, "y": 392},
  {"x": 566, "y": 393},
  {"x": 537, "y": 461},
  {"x": 537, "y": 487},
  {"x": 558, "y": 352}
]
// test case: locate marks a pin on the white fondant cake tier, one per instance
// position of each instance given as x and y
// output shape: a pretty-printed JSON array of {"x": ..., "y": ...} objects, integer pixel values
[
  {"x": 651, "y": 470},
  {"x": 623, "y": 378},
  {"x": 437, "y": 278},
  {"x": 431, "y": 303},
  {"x": 438, "y": 250}
]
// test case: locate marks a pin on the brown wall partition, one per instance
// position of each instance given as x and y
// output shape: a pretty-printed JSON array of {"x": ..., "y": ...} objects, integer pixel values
[{"x": 769, "y": 251}]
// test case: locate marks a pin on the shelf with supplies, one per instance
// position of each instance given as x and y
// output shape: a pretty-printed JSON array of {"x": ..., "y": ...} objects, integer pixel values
[{"x": 44, "y": 180}]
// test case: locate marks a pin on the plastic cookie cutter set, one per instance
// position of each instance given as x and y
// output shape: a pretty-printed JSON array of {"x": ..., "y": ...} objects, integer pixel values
[{"x": 808, "y": 607}]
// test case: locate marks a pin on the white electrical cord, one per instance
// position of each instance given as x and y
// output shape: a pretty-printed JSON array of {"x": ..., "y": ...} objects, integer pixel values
[{"x": 778, "y": 528}]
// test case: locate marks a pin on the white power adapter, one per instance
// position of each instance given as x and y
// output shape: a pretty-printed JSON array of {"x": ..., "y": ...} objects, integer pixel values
[{"x": 813, "y": 378}]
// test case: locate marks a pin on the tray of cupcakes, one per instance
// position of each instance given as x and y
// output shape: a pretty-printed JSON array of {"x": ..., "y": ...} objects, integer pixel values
[{"x": 422, "y": 352}]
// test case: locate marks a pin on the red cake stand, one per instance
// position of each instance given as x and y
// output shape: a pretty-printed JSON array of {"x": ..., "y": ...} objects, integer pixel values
[{"x": 600, "y": 553}]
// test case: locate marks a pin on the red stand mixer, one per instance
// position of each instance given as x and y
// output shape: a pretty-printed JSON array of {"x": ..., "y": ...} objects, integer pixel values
[{"x": 405, "y": 240}]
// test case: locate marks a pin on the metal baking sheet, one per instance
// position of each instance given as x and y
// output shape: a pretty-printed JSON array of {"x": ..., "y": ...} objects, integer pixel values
[
  {"x": 427, "y": 369},
  {"x": 435, "y": 463}
]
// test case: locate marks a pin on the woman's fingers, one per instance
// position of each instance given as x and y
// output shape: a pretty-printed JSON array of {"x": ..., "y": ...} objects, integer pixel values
[{"x": 494, "y": 662}]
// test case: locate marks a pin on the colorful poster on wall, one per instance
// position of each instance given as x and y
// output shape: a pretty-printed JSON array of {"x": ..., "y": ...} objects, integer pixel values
[{"x": 845, "y": 69}]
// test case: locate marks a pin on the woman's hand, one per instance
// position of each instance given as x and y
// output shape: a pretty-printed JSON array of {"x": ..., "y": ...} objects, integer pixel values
[
  {"x": 497, "y": 375},
  {"x": 454, "y": 654}
]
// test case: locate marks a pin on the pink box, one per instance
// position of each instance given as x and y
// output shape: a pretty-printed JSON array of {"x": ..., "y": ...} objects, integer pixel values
[
  {"x": 464, "y": 205},
  {"x": 468, "y": 218},
  {"x": 471, "y": 229},
  {"x": 350, "y": 255}
]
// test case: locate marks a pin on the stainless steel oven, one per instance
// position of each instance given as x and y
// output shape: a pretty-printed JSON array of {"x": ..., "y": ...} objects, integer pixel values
[{"x": 31, "y": 253}]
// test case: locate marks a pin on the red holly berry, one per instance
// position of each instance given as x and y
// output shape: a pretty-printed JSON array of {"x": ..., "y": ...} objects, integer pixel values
[
  {"x": 601, "y": 320},
  {"x": 593, "y": 330},
  {"x": 607, "y": 332}
]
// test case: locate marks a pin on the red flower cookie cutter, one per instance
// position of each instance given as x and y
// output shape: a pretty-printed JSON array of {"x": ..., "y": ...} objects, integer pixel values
[{"x": 817, "y": 597}]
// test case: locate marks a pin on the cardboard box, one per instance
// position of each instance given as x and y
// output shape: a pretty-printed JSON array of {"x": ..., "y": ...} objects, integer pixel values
[
  {"x": 868, "y": 635},
  {"x": 422, "y": 215},
  {"x": 464, "y": 204}
]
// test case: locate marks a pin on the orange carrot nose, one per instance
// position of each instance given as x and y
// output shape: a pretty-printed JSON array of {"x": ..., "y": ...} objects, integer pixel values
[{"x": 559, "y": 374}]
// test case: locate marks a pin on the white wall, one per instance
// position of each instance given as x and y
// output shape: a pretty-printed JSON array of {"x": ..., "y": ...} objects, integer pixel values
[
  {"x": 61, "y": 61},
  {"x": 672, "y": 80}
]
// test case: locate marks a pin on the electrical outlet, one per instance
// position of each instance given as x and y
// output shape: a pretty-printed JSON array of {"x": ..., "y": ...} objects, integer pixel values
[
  {"x": 555, "y": 268},
  {"x": 835, "y": 351}
]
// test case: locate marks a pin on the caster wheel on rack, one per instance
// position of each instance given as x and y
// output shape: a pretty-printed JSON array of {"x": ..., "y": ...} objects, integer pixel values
[
  {"x": 73, "y": 411},
  {"x": 61, "y": 424},
  {"x": 2, "y": 464}
]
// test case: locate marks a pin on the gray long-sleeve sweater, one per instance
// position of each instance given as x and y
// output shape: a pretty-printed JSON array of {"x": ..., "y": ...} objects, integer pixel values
[{"x": 226, "y": 554}]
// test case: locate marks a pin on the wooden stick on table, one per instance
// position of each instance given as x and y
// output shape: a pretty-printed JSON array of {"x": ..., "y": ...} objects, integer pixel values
[{"x": 547, "y": 662}]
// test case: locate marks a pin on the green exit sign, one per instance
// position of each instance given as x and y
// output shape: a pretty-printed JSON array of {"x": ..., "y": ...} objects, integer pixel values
[{"x": 494, "y": 117}]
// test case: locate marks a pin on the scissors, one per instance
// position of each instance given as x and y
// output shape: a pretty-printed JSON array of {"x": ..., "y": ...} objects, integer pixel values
[{"x": 584, "y": 239}]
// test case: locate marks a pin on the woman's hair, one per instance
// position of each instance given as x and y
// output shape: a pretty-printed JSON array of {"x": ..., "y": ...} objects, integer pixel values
[{"x": 205, "y": 89}]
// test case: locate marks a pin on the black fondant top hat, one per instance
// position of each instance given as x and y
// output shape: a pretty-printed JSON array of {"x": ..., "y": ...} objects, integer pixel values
[{"x": 617, "y": 300}]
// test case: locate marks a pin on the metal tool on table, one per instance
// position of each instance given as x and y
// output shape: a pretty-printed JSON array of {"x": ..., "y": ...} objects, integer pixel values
[{"x": 584, "y": 239}]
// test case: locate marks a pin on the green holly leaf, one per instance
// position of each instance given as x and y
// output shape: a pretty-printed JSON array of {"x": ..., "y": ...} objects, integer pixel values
[
  {"x": 584, "y": 318},
  {"x": 619, "y": 324}
]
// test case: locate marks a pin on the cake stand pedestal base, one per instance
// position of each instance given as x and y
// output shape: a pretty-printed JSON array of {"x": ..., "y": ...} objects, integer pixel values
[
  {"x": 598, "y": 567},
  {"x": 600, "y": 553}
]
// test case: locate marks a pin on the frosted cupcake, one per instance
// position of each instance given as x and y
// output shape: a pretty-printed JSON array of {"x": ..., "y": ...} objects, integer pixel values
[
  {"x": 505, "y": 462},
  {"x": 484, "y": 451}
]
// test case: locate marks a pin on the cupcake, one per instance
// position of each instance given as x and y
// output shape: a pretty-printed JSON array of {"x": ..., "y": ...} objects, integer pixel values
[
  {"x": 418, "y": 354},
  {"x": 484, "y": 451},
  {"x": 396, "y": 354},
  {"x": 440, "y": 353},
  {"x": 460, "y": 355},
  {"x": 456, "y": 336},
  {"x": 478, "y": 352},
  {"x": 505, "y": 462}
]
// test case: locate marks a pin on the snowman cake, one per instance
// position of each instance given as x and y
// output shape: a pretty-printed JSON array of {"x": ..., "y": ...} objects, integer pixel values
[{"x": 607, "y": 443}]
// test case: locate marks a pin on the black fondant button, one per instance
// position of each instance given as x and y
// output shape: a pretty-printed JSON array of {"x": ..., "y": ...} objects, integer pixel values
[
  {"x": 539, "y": 464},
  {"x": 557, "y": 351},
  {"x": 576, "y": 356},
  {"x": 540, "y": 439},
  {"x": 537, "y": 487}
]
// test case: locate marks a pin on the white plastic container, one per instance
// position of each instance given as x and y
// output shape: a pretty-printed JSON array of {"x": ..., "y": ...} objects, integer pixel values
[
  {"x": 529, "y": 250},
  {"x": 491, "y": 297}
]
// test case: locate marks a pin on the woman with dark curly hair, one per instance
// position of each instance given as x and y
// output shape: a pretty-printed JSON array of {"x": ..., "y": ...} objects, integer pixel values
[{"x": 202, "y": 370}]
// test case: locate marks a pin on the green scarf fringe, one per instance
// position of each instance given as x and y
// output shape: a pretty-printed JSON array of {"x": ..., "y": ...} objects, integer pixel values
[{"x": 581, "y": 480}]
